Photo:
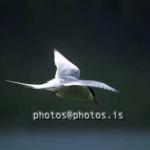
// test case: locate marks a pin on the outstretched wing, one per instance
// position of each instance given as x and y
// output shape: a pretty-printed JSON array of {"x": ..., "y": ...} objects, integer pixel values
[
  {"x": 91, "y": 83},
  {"x": 65, "y": 67},
  {"x": 34, "y": 86}
]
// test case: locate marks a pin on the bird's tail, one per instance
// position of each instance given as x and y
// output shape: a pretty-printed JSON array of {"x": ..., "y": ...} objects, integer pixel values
[{"x": 33, "y": 86}]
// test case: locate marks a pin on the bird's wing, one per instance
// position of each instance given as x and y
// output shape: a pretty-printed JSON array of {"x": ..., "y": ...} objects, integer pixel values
[
  {"x": 91, "y": 83},
  {"x": 34, "y": 86},
  {"x": 65, "y": 67}
]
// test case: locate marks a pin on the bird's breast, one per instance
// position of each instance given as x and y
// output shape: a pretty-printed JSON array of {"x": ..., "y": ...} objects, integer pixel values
[{"x": 74, "y": 92}]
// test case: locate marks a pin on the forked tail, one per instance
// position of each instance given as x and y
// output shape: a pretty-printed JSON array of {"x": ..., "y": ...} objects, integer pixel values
[{"x": 33, "y": 86}]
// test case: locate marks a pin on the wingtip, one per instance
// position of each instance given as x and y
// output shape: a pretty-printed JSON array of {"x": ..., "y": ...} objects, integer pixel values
[
  {"x": 116, "y": 91},
  {"x": 58, "y": 54},
  {"x": 56, "y": 51},
  {"x": 7, "y": 81}
]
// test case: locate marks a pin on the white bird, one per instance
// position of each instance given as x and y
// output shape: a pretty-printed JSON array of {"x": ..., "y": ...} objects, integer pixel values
[{"x": 66, "y": 83}]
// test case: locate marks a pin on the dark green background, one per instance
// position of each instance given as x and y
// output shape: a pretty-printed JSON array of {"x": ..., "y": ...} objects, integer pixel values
[{"x": 109, "y": 42}]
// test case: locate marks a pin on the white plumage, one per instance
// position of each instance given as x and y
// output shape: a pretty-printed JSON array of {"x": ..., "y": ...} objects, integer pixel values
[{"x": 66, "y": 83}]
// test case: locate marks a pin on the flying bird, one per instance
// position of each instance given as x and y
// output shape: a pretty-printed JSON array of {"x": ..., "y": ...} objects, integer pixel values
[{"x": 66, "y": 83}]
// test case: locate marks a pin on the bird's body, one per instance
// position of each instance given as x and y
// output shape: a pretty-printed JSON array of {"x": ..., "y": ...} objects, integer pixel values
[
  {"x": 66, "y": 83},
  {"x": 75, "y": 92}
]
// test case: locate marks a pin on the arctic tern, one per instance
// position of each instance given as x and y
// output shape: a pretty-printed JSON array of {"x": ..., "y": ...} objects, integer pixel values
[{"x": 66, "y": 83}]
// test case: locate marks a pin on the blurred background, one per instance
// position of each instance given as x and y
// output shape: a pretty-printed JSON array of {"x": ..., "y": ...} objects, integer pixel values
[{"x": 109, "y": 42}]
